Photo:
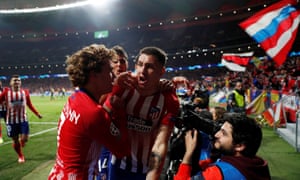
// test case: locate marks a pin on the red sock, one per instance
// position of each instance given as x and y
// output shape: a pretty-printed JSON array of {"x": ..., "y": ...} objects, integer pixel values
[
  {"x": 18, "y": 149},
  {"x": 22, "y": 143}
]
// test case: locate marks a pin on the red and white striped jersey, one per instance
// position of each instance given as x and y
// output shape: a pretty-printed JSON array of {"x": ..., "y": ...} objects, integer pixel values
[
  {"x": 83, "y": 127},
  {"x": 144, "y": 116},
  {"x": 16, "y": 102},
  {"x": 2, "y": 105}
]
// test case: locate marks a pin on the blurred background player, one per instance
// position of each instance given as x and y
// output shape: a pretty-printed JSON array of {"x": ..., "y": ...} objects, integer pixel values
[
  {"x": 2, "y": 113},
  {"x": 17, "y": 124}
]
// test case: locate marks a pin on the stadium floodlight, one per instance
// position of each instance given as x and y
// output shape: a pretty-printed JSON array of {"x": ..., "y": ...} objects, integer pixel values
[{"x": 55, "y": 8}]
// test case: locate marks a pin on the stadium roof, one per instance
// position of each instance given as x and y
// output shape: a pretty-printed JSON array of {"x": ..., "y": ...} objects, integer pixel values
[
  {"x": 36, "y": 42},
  {"x": 117, "y": 13}
]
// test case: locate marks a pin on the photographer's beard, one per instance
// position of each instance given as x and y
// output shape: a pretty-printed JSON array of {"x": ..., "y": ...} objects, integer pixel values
[{"x": 221, "y": 150}]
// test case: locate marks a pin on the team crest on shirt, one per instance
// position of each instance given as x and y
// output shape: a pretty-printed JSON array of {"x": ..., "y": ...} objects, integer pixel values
[
  {"x": 154, "y": 112},
  {"x": 114, "y": 130}
]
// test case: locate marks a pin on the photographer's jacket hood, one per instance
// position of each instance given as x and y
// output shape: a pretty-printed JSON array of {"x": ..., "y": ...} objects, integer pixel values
[{"x": 252, "y": 168}]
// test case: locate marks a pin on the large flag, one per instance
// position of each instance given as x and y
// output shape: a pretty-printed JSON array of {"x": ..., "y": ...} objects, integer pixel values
[
  {"x": 290, "y": 107},
  {"x": 279, "y": 114},
  {"x": 275, "y": 115},
  {"x": 274, "y": 28},
  {"x": 257, "y": 106},
  {"x": 269, "y": 116},
  {"x": 236, "y": 61}
]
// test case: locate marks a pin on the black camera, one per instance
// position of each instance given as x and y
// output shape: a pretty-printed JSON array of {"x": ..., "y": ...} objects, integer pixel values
[
  {"x": 189, "y": 119},
  {"x": 201, "y": 121}
]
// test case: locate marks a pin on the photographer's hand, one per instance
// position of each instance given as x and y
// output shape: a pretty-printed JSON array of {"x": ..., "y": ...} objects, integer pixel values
[{"x": 190, "y": 145}]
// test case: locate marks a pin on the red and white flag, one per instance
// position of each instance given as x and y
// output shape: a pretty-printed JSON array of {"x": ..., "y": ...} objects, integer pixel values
[
  {"x": 290, "y": 107},
  {"x": 274, "y": 28},
  {"x": 275, "y": 115},
  {"x": 236, "y": 61},
  {"x": 279, "y": 114},
  {"x": 269, "y": 116}
]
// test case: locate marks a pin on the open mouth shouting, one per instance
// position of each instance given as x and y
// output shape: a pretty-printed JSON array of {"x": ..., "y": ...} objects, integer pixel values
[{"x": 142, "y": 80}]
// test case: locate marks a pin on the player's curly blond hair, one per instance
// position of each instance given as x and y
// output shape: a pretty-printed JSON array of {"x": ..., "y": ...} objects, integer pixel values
[{"x": 88, "y": 59}]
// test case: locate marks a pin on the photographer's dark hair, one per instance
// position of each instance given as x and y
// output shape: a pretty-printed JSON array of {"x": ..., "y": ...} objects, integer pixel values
[{"x": 245, "y": 130}]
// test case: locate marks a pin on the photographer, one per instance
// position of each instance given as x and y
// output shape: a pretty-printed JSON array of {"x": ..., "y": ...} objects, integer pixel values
[{"x": 238, "y": 141}]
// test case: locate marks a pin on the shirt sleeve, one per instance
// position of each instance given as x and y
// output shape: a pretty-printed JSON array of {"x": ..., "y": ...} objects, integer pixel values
[
  {"x": 29, "y": 103},
  {"x": 212, "y": 172},
  {"x": 113, "y": 136},
  {"x": 184, "y": 172},
  {"x": 172, "y": 107}
]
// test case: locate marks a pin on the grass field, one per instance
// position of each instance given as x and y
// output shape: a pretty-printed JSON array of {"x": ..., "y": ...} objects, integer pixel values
[
  {"x": 41, "y": 147},
  {"x": 283, "y": 159}
]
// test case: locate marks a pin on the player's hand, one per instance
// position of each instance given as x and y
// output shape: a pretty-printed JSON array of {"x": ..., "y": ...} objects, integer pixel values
[
  {"x": 126, "y": 80},
  {"x": 166, "y": 85},
  {"x": 191, "y": 141}
]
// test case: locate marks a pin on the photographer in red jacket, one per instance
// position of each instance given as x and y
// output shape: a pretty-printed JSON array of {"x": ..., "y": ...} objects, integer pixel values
[{"x": 237, "y": 141}]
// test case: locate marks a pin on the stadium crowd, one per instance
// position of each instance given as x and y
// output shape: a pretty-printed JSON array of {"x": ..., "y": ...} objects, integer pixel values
[{"x": 264, "y": 75}]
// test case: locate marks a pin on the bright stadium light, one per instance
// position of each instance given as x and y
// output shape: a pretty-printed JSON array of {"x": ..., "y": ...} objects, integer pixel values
[{"x": 55, "y": 8}]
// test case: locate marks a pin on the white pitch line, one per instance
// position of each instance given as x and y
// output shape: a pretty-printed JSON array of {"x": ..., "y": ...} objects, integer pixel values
[
  {"x": 42, "y": 132},
  {"x": 42, "y": 122},
  {"x": 31, "y": 135}
]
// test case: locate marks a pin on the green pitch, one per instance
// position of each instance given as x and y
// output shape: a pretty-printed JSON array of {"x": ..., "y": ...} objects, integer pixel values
[
  {"x": 40, "y": 149},
  {"x": 39, "y": 152}
]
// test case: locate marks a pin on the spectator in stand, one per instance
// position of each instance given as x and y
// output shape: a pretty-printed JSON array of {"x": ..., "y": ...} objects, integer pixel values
[
  {"x": 236, "y": 100},
  {"x": 2, "y": 113},
  {"x": 274, "y": 81},
  {"x": 150, "y": 117},
  {"x": 238, "y": 141},
  {"x": 217, "y": 112},
  {"x": 85, "y": 125},
  {"x": 200, "y": 97},
  {"x": 17, "y": 125}
]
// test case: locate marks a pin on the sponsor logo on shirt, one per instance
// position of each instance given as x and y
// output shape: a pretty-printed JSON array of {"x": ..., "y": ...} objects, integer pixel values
[{"x": 139, "y": 124}]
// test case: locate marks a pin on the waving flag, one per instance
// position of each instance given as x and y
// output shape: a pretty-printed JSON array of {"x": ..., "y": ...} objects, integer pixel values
[
  {"x": 279, "y": 114},
  {"x": 275, "y": 115},
  {"x": 257, "y": 106},
  {"x": 274, "y": 28},
  {"x": 274, "y": 96},
  {"x": 236, "y": 61},
  {"x": 290, "y": 107},
  {"x": 269, "y": 116}
]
